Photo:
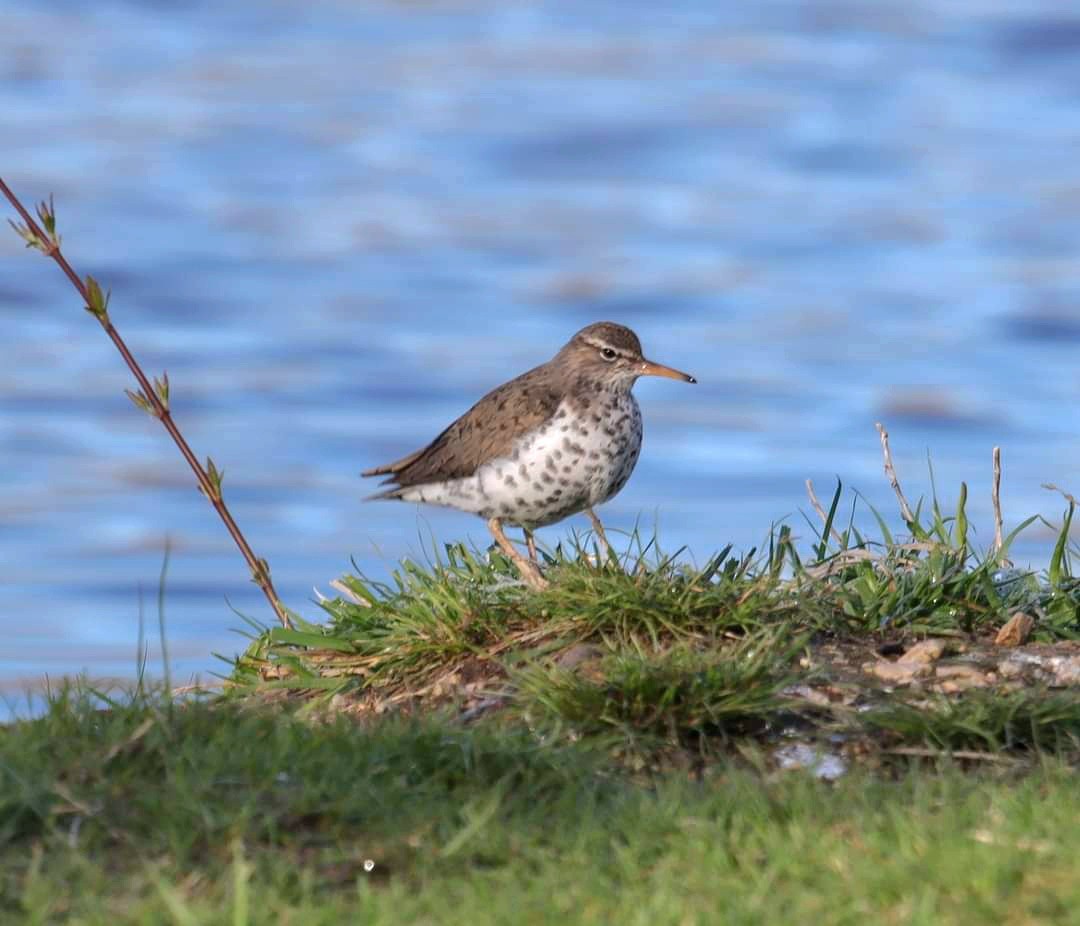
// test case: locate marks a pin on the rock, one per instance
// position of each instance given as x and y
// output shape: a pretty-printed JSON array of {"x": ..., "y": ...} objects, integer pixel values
[
  {"x": 1066, "y": 670},
  {"x": 1016, "y": 630},
  {"x": 827, "y": 766},
  {"x": 480, "y": 708},
  {"x": 917, "y": 662},
  {"x": 1058, "y": 671},
  {"x": 1011, "y": 668},
  {"x": 925, "y": 651},
  {"x": 809, "y": 694},
  {"x": 577, "y": 654},
  {"x": 898, "y": 673},
  {"x": 960, "y": 676},
  {"x": 1021, "y": 663}
]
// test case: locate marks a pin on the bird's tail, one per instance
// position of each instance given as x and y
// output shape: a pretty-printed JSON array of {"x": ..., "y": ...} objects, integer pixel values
[
  {"x": 392, "y": 469},
  {"x": 388, "y": 494}
]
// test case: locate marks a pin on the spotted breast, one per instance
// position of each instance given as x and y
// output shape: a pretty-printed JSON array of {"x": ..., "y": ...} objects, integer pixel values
[{"x": 578, "y": 458}]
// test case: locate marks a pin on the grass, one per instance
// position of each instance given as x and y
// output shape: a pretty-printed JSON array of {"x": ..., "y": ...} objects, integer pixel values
[
  {"x": 668, "y": 655},
  {"x": 451, "y": 746},
  {"x": 226, "y": 813},
  {"x": 683, "y": 694},
  {"x": 995, "y": 721}
]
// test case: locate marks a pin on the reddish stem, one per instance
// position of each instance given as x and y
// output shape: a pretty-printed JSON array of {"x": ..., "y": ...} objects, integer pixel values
[{"x": 260, "y": 572}]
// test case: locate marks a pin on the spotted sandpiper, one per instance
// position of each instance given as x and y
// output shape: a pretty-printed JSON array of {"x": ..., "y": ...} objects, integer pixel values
[{"x": 555, "y": 441}]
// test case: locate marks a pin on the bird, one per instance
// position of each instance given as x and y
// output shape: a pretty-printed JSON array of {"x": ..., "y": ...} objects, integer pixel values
[{"x": 557, "y": 440}]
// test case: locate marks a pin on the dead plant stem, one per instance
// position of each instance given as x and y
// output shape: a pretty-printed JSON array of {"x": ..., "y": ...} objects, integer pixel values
[
  {"x": 995, "y": 496},
  {"x": 821, "y": 511},
  {"x": 890, "y": 472}
]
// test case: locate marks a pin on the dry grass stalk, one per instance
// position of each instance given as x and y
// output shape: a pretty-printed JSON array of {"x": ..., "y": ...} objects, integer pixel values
[
  {"x": 821, "y": 511},
  {"x": 890, "y": 472},
  {"x": 999, "y": 523},
  {"x": 840, "y": 562},
  {"x": 967, "y": 755},
  {"x": 1071, "y": 499}
]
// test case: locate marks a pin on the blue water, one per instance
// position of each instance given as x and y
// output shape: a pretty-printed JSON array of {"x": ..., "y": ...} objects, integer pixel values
[{"x": 336, "y": 225}]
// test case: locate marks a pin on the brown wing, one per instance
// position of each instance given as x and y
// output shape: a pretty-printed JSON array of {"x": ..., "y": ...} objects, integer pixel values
[{"x": 486, "y": 431}]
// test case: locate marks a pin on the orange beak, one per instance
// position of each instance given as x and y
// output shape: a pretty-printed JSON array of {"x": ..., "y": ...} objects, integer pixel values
[{"x": 648, "y": 368}]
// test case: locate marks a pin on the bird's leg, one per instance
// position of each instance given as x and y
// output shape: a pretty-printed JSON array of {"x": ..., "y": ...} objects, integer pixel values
[
  {"x": 598, "y": 529},
  {"x": 529, "y": 571},
  {"x": 530, "y": 542}
]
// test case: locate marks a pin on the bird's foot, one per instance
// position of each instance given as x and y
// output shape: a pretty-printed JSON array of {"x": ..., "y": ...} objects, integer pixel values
[
  {"x": 598, "y": 530},
  {"x": 529, "y": 570},
  {"x": 531, "y": 574},
  {"x": 530, "y": 543}
]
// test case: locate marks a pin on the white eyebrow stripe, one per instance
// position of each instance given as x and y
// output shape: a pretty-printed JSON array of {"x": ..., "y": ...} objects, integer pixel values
[{"x": 601, "y": 345}]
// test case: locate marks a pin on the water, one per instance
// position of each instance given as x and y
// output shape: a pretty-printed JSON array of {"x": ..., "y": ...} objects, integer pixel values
[{"x": 336, "y": 225}]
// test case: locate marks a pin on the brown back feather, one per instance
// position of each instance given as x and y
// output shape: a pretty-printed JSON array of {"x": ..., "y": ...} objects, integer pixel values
[{"x": 486, "y": 431}]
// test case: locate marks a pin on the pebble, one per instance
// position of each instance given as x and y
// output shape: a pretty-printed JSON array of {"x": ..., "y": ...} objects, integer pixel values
[
  {"x": 925, "y": 651},
  {"x": 1016, "y": 630}
]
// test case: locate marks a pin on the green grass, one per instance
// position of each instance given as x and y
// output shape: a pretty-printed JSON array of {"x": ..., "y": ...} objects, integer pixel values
[
  {"x": 464, "y": 601},
  {"x": 235, "y": 813},
  {"x": 684, "y": 695},
  {"x": 995, "y": 721},
  {"x": 453, "y": 747},
  {"x": 688, "y": 656}
]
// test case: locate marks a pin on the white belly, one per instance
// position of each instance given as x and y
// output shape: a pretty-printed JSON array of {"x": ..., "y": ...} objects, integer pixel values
[{"x": 574, "y": 461}]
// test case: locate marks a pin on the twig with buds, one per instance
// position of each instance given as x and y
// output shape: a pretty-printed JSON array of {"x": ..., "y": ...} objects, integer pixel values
[{"x": 151, "y": 397}]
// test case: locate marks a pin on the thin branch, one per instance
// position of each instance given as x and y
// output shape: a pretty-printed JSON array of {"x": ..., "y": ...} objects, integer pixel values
[
  {"x": 152, "y": 397},
  {"x": 890, "y": 472},
  {"x": 999, "y": 523},
  {"x": 821, "y": 511}
]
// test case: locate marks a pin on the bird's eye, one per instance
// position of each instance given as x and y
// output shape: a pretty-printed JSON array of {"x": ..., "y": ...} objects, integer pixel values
[{"x": 607, "y": 353}]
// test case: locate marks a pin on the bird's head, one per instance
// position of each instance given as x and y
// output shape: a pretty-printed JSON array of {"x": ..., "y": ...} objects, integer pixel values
[{"x": 611, "y": 354}]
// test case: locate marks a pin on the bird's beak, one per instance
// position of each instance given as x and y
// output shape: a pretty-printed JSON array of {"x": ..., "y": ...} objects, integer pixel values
[{"x": 648, "y": 368}]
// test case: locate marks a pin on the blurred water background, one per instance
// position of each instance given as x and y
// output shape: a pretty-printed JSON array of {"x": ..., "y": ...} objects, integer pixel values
[{"x": 337, "y": 224}]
